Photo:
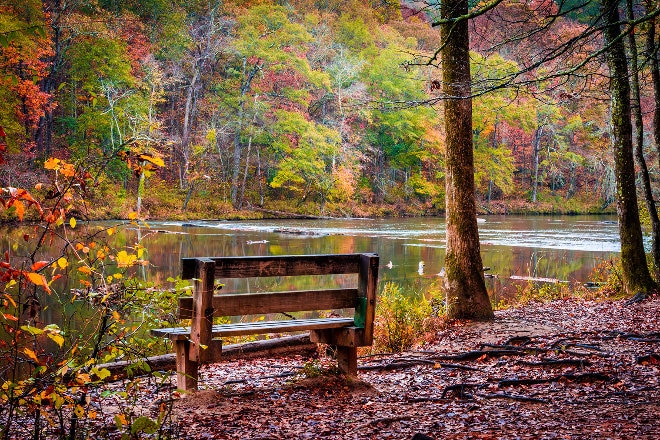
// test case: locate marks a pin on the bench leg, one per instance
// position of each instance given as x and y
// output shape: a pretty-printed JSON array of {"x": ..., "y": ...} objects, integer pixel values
[
  {"x": 347, "y": 360},
  {"x": 186, "y": 370}
]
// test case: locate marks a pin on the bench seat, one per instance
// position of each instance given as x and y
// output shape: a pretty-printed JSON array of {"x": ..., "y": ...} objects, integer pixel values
[{"x": 256, "y": 328}]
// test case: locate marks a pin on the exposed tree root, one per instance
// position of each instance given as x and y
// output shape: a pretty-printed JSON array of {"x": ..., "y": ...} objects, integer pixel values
[
  {"x": 477, "y": 354},
  {"x": 585, "y": 377},
  {"x": 557, "y": 362},
  {"x": 512, "y": 397}
]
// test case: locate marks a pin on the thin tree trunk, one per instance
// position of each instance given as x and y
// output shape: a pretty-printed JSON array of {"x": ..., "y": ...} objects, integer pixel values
[
  {"x": 466, "y": 290},
  {"x": 245, "y": 173},
  {"x": 636, "y": 276},
  {"x": 535, "y": 178},
  {"x": 639, "y": 148},
  {"x": 238, "y": 147}
]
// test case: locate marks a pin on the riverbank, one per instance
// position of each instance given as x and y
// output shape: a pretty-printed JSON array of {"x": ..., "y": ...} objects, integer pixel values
[
  {"x": 164, "y": 202},
  {"x": 562, "y": 369}
]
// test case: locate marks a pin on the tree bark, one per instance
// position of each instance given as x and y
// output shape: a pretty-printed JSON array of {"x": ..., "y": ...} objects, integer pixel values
[
  {"x": 635, "y": 273},
  {"x": 466, "y": 290},
  {"x": 639, "y": 147}
]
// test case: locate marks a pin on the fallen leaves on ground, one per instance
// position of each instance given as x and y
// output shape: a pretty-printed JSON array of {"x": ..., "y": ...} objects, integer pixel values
[{"x": 561, "y": 370}]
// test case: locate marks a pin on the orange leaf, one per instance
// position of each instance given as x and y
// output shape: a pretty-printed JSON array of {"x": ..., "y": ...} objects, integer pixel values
[
  {"x": 39, "y": 265},
  {"x": 38, "y": 279},
  {"x": 85, "y": 270},
  {"x": 31, "y": 354},
  {"x": 10, "y": 317},
  {"x": 20, "y": 208},
  {"x": 52, "y": 164}
]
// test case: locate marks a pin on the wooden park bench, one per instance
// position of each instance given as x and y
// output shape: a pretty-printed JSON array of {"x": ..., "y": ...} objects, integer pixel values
[{"x": 200, "y": 343}]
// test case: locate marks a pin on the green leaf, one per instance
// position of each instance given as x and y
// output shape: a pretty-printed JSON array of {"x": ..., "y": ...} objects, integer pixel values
[{"x": 144, "y": 424}]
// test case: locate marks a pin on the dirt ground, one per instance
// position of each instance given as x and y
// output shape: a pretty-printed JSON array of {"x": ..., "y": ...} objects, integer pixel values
[{"x": 561, "y": 370}]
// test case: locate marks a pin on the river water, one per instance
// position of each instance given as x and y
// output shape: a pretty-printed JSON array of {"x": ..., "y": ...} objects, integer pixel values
[{"x": 411, "y": 250}]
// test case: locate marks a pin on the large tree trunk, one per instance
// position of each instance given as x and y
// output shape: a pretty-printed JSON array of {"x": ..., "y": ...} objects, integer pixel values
[
  {"x": 466, "y": 290},
  {"x": 639, "y": 147},
  {"x": 636, "y": 276}
]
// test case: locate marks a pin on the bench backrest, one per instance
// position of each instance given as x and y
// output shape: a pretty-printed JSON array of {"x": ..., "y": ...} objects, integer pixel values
[{"x": 206, "y": 269}]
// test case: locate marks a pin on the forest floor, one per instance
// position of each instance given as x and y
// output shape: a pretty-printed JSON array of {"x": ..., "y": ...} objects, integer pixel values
[
  {"x": 565, "y": 369},
  {"x": 569, "y": 369}
]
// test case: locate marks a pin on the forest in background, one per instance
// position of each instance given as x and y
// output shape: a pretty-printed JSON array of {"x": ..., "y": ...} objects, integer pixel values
[{"x": 213, "y": 109}]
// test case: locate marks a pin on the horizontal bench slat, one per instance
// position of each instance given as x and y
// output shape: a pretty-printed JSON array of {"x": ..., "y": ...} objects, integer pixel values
[
  {"x": 275, "y": 302},
  {"x": 254, "y": 328},
  {"x": 276, "y": 266}
]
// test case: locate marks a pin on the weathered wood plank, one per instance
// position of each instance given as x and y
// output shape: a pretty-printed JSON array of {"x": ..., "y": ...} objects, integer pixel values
[
  {"x": 274, "y": 266},
  {"x": 345, "y": 336},
  {"x": 347, "y": 360},
  {"x": 202, "y": 313},
  {"x": 367, "y": 287},
  {"x": 274, "y": 302},
  {"x": 186, "y": 370},
  {"x": 255, "y": 328}
]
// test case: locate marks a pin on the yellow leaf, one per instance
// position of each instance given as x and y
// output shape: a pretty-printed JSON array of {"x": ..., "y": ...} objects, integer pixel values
[
  {"x": 59, "y": 339},
  {"x": 79, "y": 411},
  {"x": 116, "y": 316},
  {"x": 62, "y": 262},
  {"x": 110, "y": 231},
  {"x": 72, "y": 222},
  {"x": 92, "y": 414},
  {"x": 102, "y": 373},
  {"x": 118, "y": 276},
  {"x": 124, "y": 259},
  {"x": 132, "y": 216},
  {"x": 31, "y": 354}
]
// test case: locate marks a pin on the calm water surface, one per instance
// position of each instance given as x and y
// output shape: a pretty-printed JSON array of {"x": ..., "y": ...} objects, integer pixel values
[{"x": 566, "y": 248}]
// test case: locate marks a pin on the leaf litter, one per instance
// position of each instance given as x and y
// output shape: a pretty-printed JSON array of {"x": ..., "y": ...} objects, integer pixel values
[{"x": 569, "y": 369}]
